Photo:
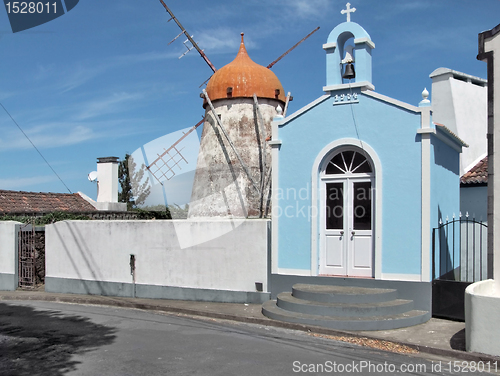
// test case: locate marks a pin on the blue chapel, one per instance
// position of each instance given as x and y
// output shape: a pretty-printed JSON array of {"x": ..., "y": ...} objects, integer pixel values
[{"x": 359, "y": 181}]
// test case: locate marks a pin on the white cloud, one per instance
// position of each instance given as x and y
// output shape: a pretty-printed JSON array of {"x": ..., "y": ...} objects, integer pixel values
[
  {"x": 418, "y": 41},
  {"x": 394, "y": 9},
  {"x": 6, "y": 94},
  {"x": 47, "y": 135},
  {"x": 16, "y": 183},
  {"x": 77, "y": 75},
  {"x": 300, "y": 9},
  {"x": 78, "y": 122},
  {"x": 143, "y": 57},
  {"x": 115, "y": 103},
  {"x": 219, "y": 40},
  {"x": 408, "y": 6}
]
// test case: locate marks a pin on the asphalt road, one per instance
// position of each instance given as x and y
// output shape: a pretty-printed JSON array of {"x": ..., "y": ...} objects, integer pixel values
[{"x": 44, "y": 338}]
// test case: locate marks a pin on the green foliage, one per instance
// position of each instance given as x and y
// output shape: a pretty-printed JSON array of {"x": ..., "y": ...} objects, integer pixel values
[
  {"x": 178, "y": 212},
  {"x": 134, "y": 190},
  {"x": 45, "y": 219},
  {"x": 152, "y": 214},
  {"x": 172, "y": 211},
  {"x": 158, "y": 207}
]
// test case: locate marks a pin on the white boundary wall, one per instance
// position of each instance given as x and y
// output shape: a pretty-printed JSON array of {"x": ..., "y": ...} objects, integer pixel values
[
  {"x": 8, "y": 255},
  {"x": 482, "y": 304},
  {"x": 100, "y": 251}
]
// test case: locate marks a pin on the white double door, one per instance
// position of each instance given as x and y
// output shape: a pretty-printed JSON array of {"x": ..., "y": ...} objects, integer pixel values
[{"x": 346, "y": 244}]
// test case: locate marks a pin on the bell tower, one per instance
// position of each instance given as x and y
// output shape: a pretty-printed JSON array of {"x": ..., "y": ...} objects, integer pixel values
[{"x": 355, "y": 57}]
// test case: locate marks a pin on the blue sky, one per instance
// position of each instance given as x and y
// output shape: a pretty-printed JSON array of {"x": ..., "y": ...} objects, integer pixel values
[{"x": 102, "y": 80}]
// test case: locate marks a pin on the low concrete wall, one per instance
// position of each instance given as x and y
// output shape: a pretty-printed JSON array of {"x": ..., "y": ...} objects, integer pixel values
[
  {"x": 8, "y": 255},
  {"x": 482, "y": 320},
  {"x": 173, "y": 259}
]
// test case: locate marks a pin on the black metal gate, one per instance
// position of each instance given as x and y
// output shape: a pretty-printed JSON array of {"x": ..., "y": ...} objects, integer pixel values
[
  {"x": 27, "y": 256},
  {"x": 459, "y": 258}
]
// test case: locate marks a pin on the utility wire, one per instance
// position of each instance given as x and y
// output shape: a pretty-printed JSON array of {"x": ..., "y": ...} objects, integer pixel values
[
  {"x": 354, "y": 120},
  {"x": 41, "y": 155}
]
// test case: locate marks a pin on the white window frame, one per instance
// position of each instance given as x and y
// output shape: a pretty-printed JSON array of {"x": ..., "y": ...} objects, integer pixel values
[{"x": 319, "y": 165}]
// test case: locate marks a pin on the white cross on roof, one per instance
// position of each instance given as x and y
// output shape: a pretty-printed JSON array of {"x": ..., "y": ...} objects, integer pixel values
[{"x": 349, "y": 10}]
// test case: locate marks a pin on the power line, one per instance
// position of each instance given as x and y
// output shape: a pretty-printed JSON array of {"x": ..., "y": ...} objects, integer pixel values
[
  {"x": 41, "y": 155},
  {"x": 355, "y": 122}
]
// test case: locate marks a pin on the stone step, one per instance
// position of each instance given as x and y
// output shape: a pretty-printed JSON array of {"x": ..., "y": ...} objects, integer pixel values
[
  {"x": 342, "y": 294},
  {"x": 394, "y": 321},
  {"x": 286, "y": 301}
]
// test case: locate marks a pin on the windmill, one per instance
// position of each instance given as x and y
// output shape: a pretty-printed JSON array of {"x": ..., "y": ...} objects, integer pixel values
[{"x": 243, "y": 174}]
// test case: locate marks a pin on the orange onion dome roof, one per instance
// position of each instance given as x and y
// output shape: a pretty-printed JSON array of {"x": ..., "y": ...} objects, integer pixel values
[{"x": 243, "y": 78}]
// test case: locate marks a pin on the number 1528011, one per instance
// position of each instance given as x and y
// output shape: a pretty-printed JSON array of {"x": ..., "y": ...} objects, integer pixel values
[{"x": 24, "y": 7}]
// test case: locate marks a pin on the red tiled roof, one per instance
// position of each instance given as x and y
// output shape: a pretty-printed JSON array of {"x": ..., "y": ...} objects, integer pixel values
[
  {"x": 477, "y": 174},
  {"x": 33, "y": 202}
]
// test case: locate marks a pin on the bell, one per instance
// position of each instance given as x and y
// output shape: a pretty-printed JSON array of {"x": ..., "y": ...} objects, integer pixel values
[{"x": 349, "y": 71}]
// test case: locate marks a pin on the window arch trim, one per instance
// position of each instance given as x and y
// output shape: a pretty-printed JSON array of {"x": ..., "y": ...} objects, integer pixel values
[{"x": 317, "y": 174}]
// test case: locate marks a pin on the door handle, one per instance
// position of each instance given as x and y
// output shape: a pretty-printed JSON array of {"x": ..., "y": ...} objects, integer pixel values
[
  {"x": 353, "y": 232},
  {"x": 341, "y": 233}
]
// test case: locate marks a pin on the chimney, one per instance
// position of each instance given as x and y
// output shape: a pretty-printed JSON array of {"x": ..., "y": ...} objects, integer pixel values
[{"x": 107, "y": 176}]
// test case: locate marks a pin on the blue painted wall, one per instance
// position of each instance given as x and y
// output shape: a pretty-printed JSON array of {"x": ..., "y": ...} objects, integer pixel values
[{"x": 391, "y": 132}]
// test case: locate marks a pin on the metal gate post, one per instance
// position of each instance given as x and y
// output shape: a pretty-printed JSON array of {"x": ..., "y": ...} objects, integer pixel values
[
  {"x": 433, "y": 254},
  {"x": 26, "y": 256}
]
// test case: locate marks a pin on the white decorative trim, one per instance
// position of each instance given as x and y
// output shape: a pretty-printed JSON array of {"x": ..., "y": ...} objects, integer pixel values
[
  {"x": 302, "y": 110},
  {"x": 443, "y": 130},
  {"x": 448, "y": 142},
  {"x": 459, "y": 75},
  {"x": 442, "y": 137},
  {"x": 364, "y": 40},
  {"x": 300, "y": 272},
  {"x": 401, "y": 277},
  {"x": 363, "y": 85},
  {"x": 425, "y": 256},
  {"x": 105, "y": 206},
  {"x": 392, "y": 101},
  {"x": 377, "y": 234},
  {"x": 469, "y": 167},
  {"x": 327, "y": 46},
  {"x": 426, "y": 131},
  {"x": 345, "y": 98},
  {"x": 274, "y": 128},
  {"x": 88, "y": 199}
]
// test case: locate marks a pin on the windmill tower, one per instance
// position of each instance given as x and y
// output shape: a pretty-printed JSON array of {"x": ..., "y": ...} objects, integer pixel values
[{"x": 232, "y": 177}]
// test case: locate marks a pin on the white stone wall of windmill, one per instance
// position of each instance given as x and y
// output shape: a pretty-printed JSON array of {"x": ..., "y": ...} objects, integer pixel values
[
  {"x": 233, "y": 173},
  {"x": 233, "y": 170}
]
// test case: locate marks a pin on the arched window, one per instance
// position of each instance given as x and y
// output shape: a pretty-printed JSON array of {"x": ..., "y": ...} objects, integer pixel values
[
  {"x": 348, "y": 162},
  {"x": 347, "y": 206}
]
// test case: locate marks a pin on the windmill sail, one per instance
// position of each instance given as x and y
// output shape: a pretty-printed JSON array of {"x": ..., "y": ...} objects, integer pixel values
[{"x": 168, "y": 164}]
